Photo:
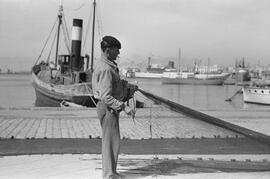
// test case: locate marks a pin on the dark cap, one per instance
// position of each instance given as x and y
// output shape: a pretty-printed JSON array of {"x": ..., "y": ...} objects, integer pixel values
[{"x": 110, "y": 41}]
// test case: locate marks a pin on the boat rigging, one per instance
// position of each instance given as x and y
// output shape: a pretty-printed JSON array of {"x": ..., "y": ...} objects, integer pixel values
[{"x": 69, "y": 79}]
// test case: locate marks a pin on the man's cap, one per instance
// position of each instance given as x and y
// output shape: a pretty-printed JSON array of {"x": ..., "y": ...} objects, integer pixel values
[{"x": 111, "y": 41}]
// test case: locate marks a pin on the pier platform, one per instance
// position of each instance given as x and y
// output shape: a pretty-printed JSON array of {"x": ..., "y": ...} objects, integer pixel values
[
  {"x": 158, "y": 143},
  {"x": 155, "y": 129}
]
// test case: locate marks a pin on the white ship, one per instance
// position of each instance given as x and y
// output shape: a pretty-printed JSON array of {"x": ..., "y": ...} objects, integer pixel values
[{"x": 259, "y": 95}]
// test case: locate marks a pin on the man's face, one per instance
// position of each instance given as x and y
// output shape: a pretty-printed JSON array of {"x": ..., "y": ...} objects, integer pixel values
[{"x": 113, "y": 53}]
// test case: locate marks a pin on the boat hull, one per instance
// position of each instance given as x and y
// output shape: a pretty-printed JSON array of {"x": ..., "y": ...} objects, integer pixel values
[
  {"x": 47, "y": 95},
  {"x": 192, "y": 81},
  {"x": 147, "y": 75},
  {"x": 44, "y": 99},
  {"x": 256, "y": 95}
]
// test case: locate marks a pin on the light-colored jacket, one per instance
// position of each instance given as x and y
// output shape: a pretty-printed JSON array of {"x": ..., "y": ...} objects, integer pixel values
[{"x": 107, "y": 85}]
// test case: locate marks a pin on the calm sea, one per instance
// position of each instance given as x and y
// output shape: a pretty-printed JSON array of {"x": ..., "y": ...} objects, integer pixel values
[{"x": 16, "y": 91}]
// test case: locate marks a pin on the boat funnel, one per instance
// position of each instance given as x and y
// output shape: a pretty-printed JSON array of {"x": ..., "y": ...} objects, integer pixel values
[{"x": 76, "y": 59}]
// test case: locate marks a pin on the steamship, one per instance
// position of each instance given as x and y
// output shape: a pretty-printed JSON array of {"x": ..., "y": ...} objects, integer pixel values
[{"x": 67, "y": 80}]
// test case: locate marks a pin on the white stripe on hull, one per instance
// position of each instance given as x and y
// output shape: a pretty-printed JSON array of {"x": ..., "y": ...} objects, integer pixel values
[{"x": 148, "y": 75}]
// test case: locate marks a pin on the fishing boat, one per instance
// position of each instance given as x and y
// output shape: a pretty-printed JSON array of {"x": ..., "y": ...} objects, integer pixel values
[{"x": 67, "y": 77}]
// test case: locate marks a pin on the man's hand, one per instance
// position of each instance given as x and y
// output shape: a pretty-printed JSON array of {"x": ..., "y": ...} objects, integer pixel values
[
  {"x": 132, "y": 88},
  {"x": 129, "y": 111}
]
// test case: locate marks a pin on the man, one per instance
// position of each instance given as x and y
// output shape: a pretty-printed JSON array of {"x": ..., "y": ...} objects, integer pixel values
[{"x": 111, "y": 92}]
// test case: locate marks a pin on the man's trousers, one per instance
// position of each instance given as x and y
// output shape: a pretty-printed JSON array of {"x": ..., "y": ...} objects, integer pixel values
[{"x": 109, "y": 121}]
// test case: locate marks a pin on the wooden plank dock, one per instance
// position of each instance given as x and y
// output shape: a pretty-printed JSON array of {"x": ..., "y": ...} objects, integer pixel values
[
  {"x": 155, "y": 129},
  {"x": 200, "y": 116},
  {"x": 155, "y": 122}
]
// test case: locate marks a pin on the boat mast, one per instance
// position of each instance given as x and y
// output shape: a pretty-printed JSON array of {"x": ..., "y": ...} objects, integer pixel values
[
  {"x": 179, "y": 60},
  {"x": 208, "y": 61},
  {"x": 93, "y": 35},
  {"x": 60, "y": 14}
]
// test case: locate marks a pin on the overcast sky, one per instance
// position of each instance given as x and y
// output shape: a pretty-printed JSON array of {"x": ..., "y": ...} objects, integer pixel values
[{"x": 223, "y": 30}]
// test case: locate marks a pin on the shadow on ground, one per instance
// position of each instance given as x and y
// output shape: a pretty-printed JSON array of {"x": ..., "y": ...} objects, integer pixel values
[{"x": 142, "y": 168}]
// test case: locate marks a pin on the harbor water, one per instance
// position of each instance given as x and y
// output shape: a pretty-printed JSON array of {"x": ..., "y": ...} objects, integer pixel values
[{"x": 16, "y": 91}]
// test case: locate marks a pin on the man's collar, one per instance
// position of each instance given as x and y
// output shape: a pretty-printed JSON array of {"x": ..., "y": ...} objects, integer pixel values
[{"x": 105, "y": 59}]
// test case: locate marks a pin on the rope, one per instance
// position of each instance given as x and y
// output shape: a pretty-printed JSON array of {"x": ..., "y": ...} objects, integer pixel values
[
  {"x": 81, "y": 6},
  {"x": 138, "y": 93},
  {"x": 46, "y": 41},
  {"x": 49, "y": 55},
  {"x": 150, "y": 122},
  {"x": 66, "y": 34},
  {"x": 133, "y": 106}
]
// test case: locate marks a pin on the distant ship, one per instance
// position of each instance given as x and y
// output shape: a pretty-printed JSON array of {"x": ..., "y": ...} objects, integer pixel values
[
  {"x": 194, "y": 79},
  {"x": 241, "y": 76},
  {"x": 152, "y": 71}
]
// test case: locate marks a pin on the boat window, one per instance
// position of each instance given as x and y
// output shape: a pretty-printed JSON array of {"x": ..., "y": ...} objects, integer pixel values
[
  {"x": 262, "y": 91},
  {"x": 255, "y": 91}
]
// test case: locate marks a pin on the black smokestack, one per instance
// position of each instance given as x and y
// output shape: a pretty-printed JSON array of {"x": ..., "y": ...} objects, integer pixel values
[{"x": 76, "y": 60}]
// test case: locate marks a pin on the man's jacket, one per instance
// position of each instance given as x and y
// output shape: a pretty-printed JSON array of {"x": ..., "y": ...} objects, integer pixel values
[{"x": 107, "y": 85}]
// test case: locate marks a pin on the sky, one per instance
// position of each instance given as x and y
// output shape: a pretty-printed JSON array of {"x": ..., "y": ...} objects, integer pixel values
[{"x": 219, "y": 30}]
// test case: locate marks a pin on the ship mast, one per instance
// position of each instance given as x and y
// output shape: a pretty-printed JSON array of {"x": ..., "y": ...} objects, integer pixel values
[
  {"x": 60, "y": 14},
  {"x": 93, "y": 35},
  {"x": 208, "y": 63},
  {"x": 179, "y": 62}
]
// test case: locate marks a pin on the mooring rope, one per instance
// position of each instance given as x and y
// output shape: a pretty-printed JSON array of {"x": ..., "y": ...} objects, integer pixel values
[
  {"x": 49, "y": 55},
  {"x": 46, "y": 41},
  {"x": 66, "y": 34}
]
